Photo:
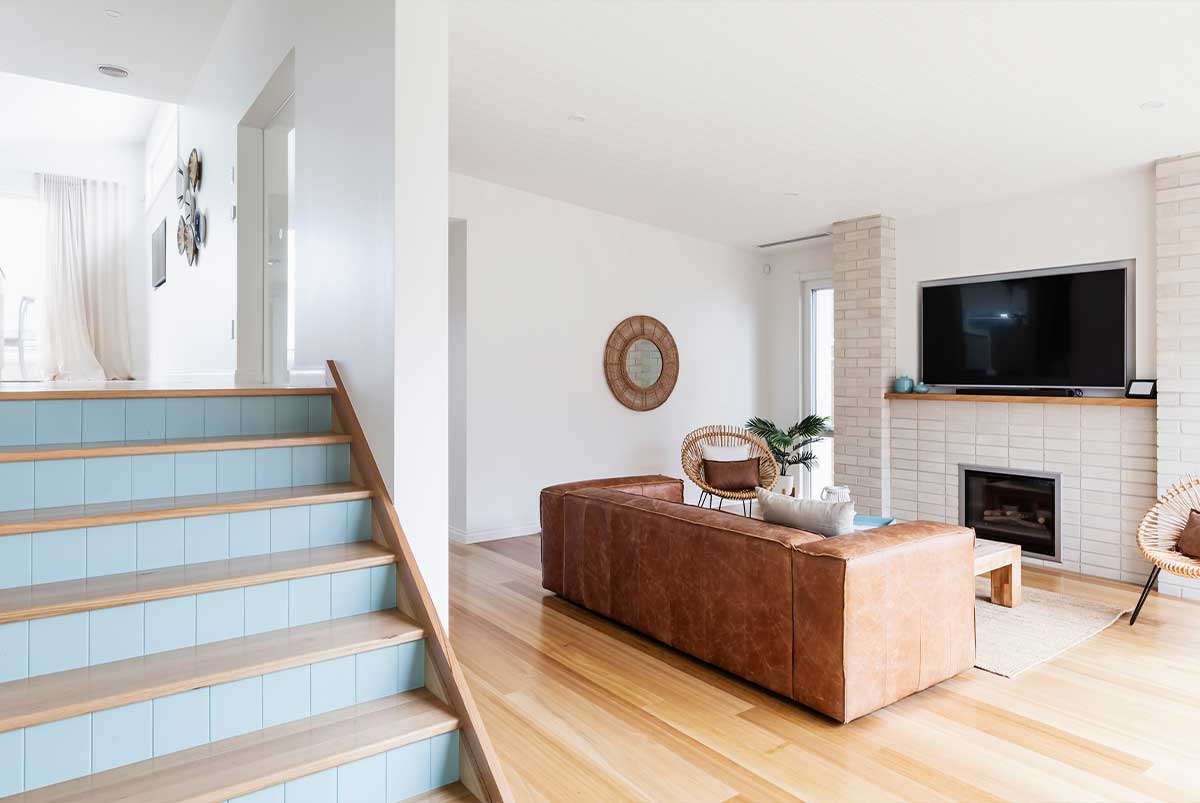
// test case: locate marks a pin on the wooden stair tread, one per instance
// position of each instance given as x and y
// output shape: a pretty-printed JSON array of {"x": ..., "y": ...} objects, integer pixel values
[
  {"x": 66, "y": 451},
  {"x": 73, "y": 596},
  {"x": 149, "y": 389},
  {"x": 100, "y": 515},
  {"x": 454, "y": 793},
  {"x": 243, "y": 764},
  {"x": 46, "y": 698}
]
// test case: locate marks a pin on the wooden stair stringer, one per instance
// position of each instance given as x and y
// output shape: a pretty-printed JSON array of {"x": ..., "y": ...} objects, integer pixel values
[{"x": 480, "y": 766}]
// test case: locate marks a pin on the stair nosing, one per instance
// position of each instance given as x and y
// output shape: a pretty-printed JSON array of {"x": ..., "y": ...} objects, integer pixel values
[
  {"x": 108, "y": 513},
  {"x": 183, "y": 587},
  {"x": 84, "y": 450},
  {"x": 45, "y": 394},
  {"x": 91, "y": 676},
  {"x": 293, "y": 738}
]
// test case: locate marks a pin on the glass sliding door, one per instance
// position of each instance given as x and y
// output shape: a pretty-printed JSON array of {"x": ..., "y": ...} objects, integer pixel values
[{"x": 816, "y": 320}]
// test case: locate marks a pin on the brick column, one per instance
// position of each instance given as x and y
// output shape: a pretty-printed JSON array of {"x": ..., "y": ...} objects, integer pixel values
[
  {"x": 1177, "y": 271},
  {"x": 864, "y": 363}
]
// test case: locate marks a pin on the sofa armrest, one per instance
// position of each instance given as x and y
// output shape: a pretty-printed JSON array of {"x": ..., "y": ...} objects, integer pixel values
[
  {"x": 551, "y": 512},
  {"x": 881, "y": 614}
]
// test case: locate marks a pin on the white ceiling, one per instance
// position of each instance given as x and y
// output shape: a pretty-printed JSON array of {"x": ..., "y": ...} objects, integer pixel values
[
  {"x": 46, "y": 111},
  {"x": 161, "y": 42},
  {"x": 702, "y": 116}
]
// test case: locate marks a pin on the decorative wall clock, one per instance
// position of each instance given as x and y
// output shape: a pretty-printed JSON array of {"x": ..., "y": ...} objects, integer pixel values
[
  {"x": 192, "y": 230},
  {"x": 194, "y": 170}
]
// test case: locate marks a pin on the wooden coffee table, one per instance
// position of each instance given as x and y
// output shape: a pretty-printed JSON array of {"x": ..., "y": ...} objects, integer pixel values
[{"x": 1002, "y": 562}]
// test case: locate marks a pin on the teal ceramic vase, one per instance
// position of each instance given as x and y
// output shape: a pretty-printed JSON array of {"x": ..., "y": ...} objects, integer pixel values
[
  {"x": 903, "y": 384},
  {"x": 920, "y": 387}
]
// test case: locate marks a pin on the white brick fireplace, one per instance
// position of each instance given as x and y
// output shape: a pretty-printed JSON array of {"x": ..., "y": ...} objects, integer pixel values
[
  {"x": 902, "y": 456},
  {"x": 1106, "y": 456}
]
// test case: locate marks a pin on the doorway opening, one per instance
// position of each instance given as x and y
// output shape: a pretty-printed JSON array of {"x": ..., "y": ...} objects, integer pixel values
[{"x": 266, "y": 190}]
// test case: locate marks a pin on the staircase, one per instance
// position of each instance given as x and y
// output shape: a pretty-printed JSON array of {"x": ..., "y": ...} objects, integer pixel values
[{"x": 207, "y": 596}]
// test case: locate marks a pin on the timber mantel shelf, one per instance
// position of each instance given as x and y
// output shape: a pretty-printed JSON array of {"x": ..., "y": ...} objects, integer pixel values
[{"x": 1102, "y": 401}]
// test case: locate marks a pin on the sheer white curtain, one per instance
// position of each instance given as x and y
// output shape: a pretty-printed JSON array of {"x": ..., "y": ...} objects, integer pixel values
[{"x": 85, "y": 320}]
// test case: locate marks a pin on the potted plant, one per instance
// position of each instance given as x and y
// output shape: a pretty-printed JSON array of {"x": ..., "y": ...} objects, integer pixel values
[{"x": 792, "y": 446}]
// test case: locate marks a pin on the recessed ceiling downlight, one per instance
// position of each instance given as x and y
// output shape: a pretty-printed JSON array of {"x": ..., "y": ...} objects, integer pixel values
[
  {"x": 1152, "y": 105},
  {"x": 577, "y": 118},
  {"x": 113, "y": 71},
  {"x": 112, "y": 13}
]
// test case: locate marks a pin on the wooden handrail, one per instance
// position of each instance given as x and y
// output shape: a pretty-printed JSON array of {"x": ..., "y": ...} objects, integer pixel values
[{"x": 487, "y": 780}]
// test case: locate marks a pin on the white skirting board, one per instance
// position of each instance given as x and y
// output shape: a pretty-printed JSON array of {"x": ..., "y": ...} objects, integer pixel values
[{"x": 460, "y": 536}]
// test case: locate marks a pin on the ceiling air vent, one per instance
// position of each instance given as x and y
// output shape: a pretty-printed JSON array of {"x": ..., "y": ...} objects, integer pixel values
[
  {"x": 113, "y": 71},
  {"x": 795, "y": 240}
]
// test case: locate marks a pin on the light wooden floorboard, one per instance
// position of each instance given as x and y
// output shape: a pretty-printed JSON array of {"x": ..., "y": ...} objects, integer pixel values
[{"x": 580, "y": 708}]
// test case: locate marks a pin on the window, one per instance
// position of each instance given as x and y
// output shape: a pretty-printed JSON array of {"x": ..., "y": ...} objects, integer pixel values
[
  {"x": 816, "y": 316},
  {"x": 21, "y": 261}
]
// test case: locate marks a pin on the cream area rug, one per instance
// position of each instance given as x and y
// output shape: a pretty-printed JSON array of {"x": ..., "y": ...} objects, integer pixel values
[{"x": 1010, "y": 640}]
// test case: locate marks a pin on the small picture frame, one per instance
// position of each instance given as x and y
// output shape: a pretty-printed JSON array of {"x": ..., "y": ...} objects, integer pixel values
[
  {"x": 158, "y": 255},
  {"x": 1142, "y": 389}
]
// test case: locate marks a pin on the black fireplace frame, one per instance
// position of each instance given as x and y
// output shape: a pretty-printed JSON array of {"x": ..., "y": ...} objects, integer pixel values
[{"x": 963, "y": 468}]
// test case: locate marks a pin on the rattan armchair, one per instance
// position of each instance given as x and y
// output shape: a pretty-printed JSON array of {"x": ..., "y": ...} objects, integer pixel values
[
  {"x": 692, "y": 457},
  {"x": 1159, "y": 532}
]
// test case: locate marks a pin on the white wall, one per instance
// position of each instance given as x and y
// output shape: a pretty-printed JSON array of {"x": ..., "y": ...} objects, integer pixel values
[
  {"x": 107, "y": 162},
  {"x": 344, "y": 155},
  {"x": 1106, "y": 219},
  {"x": 422, "y": 137},
  {"x": 546, "y": 283},
  {"x": 351, "y": 281},
  {"x": 345, "y": 152}
]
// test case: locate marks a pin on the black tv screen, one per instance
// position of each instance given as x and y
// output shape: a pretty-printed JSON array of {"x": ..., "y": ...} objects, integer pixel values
[{"x": 1059, "y": 328}]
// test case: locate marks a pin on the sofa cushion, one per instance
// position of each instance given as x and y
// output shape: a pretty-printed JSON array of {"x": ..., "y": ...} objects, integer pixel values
[
  {"x": 1189, "y": 539},
  {"x": 812, "y": 515},
  {"x": 732, "y": 475},
  {"x": 710, "y": 451}
]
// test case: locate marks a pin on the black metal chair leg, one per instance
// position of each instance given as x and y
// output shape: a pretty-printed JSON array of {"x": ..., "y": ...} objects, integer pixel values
[
  {"x": 1145, "y": 593},
  {"x": 700, "y": 501}
]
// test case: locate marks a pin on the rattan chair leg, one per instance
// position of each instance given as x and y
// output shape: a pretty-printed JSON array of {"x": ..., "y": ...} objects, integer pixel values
[{"x": 1145, "y": 593}]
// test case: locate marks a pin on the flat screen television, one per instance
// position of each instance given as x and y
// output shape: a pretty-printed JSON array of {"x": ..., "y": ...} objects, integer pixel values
[{"x": 1069, "y": 327}]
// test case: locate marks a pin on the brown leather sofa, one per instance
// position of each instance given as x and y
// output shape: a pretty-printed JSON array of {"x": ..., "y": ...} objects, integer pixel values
[{"x": 844, "y": 625}]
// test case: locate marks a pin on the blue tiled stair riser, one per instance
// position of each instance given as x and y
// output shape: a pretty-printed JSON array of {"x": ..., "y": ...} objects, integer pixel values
[
  {"x": 75, "y": 640},
  {"x": 26, "y": 423},
  {"x": 97, "y": 480},
  {"x": 385, "y": 778},
  {"x": 45, "y": 754},
  {"x": 58, "y": 555}
]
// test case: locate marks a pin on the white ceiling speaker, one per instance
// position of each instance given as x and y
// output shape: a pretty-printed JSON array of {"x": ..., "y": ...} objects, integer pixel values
[{"x": 113, "y": 71}]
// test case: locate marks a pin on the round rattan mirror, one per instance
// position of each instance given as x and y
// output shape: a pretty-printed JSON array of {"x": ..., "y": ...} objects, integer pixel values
[{"x": 641, "y": 362}]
